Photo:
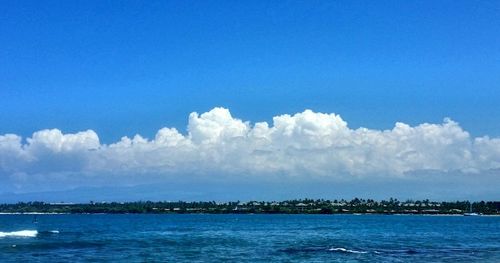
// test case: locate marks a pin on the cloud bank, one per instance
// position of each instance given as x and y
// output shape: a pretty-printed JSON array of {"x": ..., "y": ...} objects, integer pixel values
[{"x": 306, "y": 144}]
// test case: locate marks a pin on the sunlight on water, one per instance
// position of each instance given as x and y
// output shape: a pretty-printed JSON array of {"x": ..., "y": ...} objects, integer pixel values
[{"x": 250, "y": 238}]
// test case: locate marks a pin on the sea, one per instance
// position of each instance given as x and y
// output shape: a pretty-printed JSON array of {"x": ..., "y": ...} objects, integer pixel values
[{"x": 248, "y": 238}]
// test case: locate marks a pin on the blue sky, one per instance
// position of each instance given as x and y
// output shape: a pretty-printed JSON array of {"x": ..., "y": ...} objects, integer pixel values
[{"x": 121, "y": 68}]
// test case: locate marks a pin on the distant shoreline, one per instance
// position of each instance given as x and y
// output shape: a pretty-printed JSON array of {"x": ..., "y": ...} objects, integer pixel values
[
  {"x": 173, "y": 213},
  {"x": 355, "y": 206}
]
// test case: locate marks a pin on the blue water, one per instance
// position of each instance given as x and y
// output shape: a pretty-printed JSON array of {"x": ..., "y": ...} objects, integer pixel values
[{"x": 249, "y": 238}]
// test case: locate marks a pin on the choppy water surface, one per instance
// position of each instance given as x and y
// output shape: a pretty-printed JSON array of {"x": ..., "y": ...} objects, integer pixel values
[{"x": 250, "y": 238}]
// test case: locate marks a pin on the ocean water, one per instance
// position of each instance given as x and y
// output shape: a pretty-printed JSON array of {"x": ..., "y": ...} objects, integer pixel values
[{"x": 249, "y": 238}]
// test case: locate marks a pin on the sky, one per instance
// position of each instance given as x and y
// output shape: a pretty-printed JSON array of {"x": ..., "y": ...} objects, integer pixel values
[{"x": 249, "y": 99}]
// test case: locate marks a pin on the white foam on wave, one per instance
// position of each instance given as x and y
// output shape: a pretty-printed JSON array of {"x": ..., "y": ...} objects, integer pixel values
[
  {"x": 54, "y": 231},
  {"x": 341, "y": 249},
  {"x": 22, "y": 233}
]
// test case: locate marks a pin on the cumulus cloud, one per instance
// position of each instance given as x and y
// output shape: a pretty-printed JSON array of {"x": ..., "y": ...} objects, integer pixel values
[{"x": 304, "y": 144}]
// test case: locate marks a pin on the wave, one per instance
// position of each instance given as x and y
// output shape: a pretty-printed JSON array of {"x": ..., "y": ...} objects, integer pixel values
[
  {"x": 322, "y": 249},
  {"x": 345, "y": 250},
  {"x": 22, "y": 233},
  {"x": 49, "y": 232}
]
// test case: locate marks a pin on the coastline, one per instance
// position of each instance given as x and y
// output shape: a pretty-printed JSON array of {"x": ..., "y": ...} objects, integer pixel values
[
  {"x": 174, "y": 213},
  {"x": 355, "y": 206}
]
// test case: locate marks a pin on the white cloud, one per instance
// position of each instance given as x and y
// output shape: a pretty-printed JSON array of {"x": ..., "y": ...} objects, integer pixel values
[
  {"x": 304, "y": 144},
  {"x": 57, "y": 142}
]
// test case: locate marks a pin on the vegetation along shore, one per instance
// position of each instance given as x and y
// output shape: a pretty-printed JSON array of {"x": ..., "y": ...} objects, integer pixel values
[{"x": 297, "y": 206}]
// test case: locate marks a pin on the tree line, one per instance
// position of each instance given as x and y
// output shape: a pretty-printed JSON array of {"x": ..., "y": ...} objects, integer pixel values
[{"x": 296, "y": 206}]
